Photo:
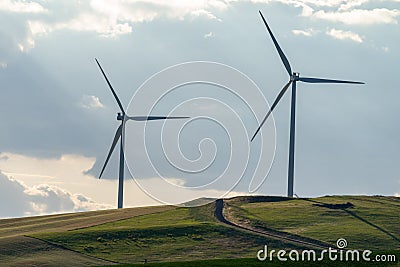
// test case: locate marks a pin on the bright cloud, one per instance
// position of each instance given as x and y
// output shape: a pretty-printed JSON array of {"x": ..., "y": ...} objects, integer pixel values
[
  {"x": 42, "y": 186},
  {"x": 111, "y": 19},
  {"x": 307, "y": 32},
  {"x": 209, "y": 35},
  {"x": 108, "y": 19},
  {"x": 21, "y": 7},
  {"x": 347, "y": 5},
  {"x": 40, "y": 199},
  {"x": 205, "y": 13},
  {"x": 37, "y": 28},
  {"x": 91, "y": 101},
  {"x": 114, "y": 18},
  {"x": 344, "y": 11},
  {"x": 3, "y": 65},
  {"x": 66, "y": 172},
  {"x": 361, "y": 16},
  {"x": 104, "y": 26},
  {"x": 26, "y": 45},
  {"x": 66, "y": 178},
  {"x": 345, "y": 35}
]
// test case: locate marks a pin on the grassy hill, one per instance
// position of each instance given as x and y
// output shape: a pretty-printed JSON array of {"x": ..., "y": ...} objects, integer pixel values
[
  {"x": 180, "y": 234},
  {"x": 184, "y": 235},
  {"x": 19, "y": 248},
  {"x": 365, "y": 222}
]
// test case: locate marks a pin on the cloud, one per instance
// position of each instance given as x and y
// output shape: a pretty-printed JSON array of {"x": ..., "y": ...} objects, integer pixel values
[
  {"x": 361, "y": 16},
  {"x": 209, "y": 35},
  {"x": 111, "y": 19},
  {"x": 347, "y": 5},
  {"x": 105, "y": 27},
  {"x": 3, "y": 65},
  {"x": 307, "y": 32},
  {"x": 17, "y": 199},
  {"x": 26, "y": 45},
  {"x": 21, "y": 7},
  {"x": 204, "y": 13},
  {"x": 38, "y": 28},
  {"x": 397, "y": 195},
  {"x": 65, "y": 173},
  {"x": 306, "y": 10},
  {"x": 82, "y": 22},
  {"x": 36, "y": 186},
  {"x": 344, "y": 11},
  {"x": 345, "y": 35},
  {"x": 91, "y": 101}
]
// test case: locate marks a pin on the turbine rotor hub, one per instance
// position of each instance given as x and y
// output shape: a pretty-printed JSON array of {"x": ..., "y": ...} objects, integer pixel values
[
  {"x": 120, "y": 116},
  {"x": 295, "y": 76}
]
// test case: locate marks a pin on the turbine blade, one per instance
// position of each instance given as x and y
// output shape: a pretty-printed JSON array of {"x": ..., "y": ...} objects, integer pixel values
[
  {"x": 152, "y": 118},
  {"x": 318, "y": 80},
  {"x": 112, "y": 89},
  {"x": 282, "y": 92},
  {"x": 116, "y": 138},
  {"x": 280, "y": 52}
]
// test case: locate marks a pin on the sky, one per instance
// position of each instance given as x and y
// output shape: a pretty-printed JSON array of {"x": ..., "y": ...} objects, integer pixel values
[{"x": 58, "y": 116}]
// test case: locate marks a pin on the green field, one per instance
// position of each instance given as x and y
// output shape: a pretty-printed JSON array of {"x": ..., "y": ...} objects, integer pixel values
[
  {"x": 370, "y": 223},
  {"x": 181, "y": 234},
  {"x": 18, "y": 248},
  {"x": 170, "y": 236}
]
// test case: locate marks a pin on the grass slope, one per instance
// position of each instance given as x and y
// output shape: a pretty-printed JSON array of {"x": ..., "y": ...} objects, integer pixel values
[
  {"x": 365, "y": 222},
  {"x": 70, "y": 221},
  {"x": 27, "y": 251},
  {"x": 18, "y": 249},
  {"x": 168, "y": 236},
  {"x": 182, "y": 234}
]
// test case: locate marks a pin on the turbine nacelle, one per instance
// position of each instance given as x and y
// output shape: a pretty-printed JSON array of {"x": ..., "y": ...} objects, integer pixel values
[
  {"x": 295, "y": 77},
  {"x": 120, "y": 116}
]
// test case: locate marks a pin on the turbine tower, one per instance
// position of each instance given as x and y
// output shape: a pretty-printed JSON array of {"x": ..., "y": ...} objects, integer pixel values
[
  {"x": 294, "y": 78},
  {"x": 120, "y": 134}
]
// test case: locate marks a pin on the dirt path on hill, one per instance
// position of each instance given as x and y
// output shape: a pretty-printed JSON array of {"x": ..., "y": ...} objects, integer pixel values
[{"x": 219, "y": 215}]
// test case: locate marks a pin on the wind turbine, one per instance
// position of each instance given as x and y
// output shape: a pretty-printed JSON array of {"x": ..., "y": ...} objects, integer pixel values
[
  {"x": 120, "y": 134},
  {"x": 294, "y": 78}
]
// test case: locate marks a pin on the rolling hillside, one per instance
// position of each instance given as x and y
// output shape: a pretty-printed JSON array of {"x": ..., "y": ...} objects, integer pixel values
[
  {"x": 18, "y": 247},
  {"x": 170, "y": 234},
  {"x": 365, "y": 222}
]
